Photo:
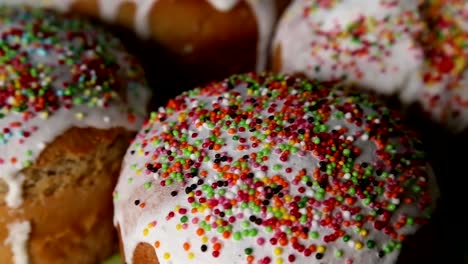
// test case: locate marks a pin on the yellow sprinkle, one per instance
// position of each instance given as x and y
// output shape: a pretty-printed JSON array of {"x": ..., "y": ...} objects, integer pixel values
[
  {"x": 44, "y": 115},
  {"x": 150, "y": 225},
  {"x": 179, "y": 227},
  {"x": 358, "y": 245},
  {"x": 166, "y": 255},
  {"x": 279, "y": 261},
  {"x": 363, "y": 232},
  {"x": 205, "y": 239},
  {"x": 138, "y": 172},
  {"x": 191, "y": 255},
  {"x": 145, "y": 232},
  {"x": 267, "y": 132},
  {"x": 288, "y": 198},
  {"x": 278, "y": 251},
  {"x": 140, "y": 152},
  {"x": 79, "y": 115},
  {"x": 177, "y": 208},
  {"x": 181, "y": 117},
  {"x": 321, "y": 249},
  {"x": 249, "y": 91},
  {"x": 292, "y": 218}
]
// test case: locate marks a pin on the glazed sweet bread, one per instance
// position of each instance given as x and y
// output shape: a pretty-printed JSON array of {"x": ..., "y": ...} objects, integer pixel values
[
  {"x": 233, "y": 35},
  {"x": 444, "y": 76},
  {"x": 374, "y": 45},
  {"x": 272, "y": 169},
  {"x": 70, "y": 100},
  {"x": 415, "y": 49}
]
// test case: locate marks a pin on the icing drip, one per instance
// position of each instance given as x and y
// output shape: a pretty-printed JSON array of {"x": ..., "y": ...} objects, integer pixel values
[
  {"x": 223, "y": 5},
  {"x": 14, "y": 197},
  {"x": 268, "y": 169},
  {"x": 265, "y": 11},
  {"x": 50, "y": 82},
  {"x": 18, "y": 236}
]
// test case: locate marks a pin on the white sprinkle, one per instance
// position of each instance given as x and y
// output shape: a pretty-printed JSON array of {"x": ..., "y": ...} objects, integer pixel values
[
  {"x": 347, "y": 176},
  {"x": 346, "y": 215},
  {"x": 314, "y": 224},
  {"x": 259, "y": 174},
  {"x": 365, "y": 137},
  {"x": 229, "y": 195},
  {"x": 155, "y": 175},
  {"x": 348, "y": 115},
  {"x": 106, "y": 119},
  {"x": 351, "y": 243},
  {"x": 41, "y": 145}
]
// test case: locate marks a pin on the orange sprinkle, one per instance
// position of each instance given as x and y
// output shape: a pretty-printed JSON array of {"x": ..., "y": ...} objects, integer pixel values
[
  {"x": 186, "y": 246},
  {"x": 217, "y": 246},
  {"x": 226, "y": 234},
  {"x": 200, "y": 232},
  {"x": 156, "y": 244}
]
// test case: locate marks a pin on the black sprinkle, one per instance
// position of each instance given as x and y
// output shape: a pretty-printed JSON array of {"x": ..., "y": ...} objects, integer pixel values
[
  {"x": 319, "y": 255},
  {"x": 204, "y": 248},
  {"x": 137, "y": 202}
]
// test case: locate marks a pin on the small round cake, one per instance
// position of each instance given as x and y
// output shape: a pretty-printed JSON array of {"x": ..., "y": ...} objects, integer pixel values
[
  {"x": 232, "y": 35},
  {"x": 373, "y": 44},
  {"x": 272, "y": 169},
  {"x": 71, "y": 99},
  {"x": 444, "y": 77},
  {"x": 417, "y": 50}
]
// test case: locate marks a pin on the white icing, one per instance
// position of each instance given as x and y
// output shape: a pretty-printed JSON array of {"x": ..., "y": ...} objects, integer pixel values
[
  {"x": 158, "y": 200},
  {"x": 303, "y": 48},
  {"x": 18, "y": 236},
  {"x": 14, "y": 197},
  {"x": 223, "y": 5},
  {"x": 265, "y": 11},
  {"x": 45, "y": 127}
]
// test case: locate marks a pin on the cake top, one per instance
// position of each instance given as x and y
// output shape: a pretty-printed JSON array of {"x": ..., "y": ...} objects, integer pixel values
[
  {"x": 59, "y": 72},
  {"x": 273, "y": 169},
  {"x": 373, "y": 44},
  {"x": 445, "y": 74}
]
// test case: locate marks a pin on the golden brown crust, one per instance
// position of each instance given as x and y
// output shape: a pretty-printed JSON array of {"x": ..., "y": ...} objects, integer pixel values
[
  {"x": 206, "y": 44},
  {"x": 144, "y": 254},
  {"x": 276, "y": 60},
  {"x": 202, "y": 44},
  {"x": 68, "y": 198}
]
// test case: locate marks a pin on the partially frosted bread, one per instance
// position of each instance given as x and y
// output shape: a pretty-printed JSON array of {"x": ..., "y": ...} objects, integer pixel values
[{"x": 71, "y": 98}]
